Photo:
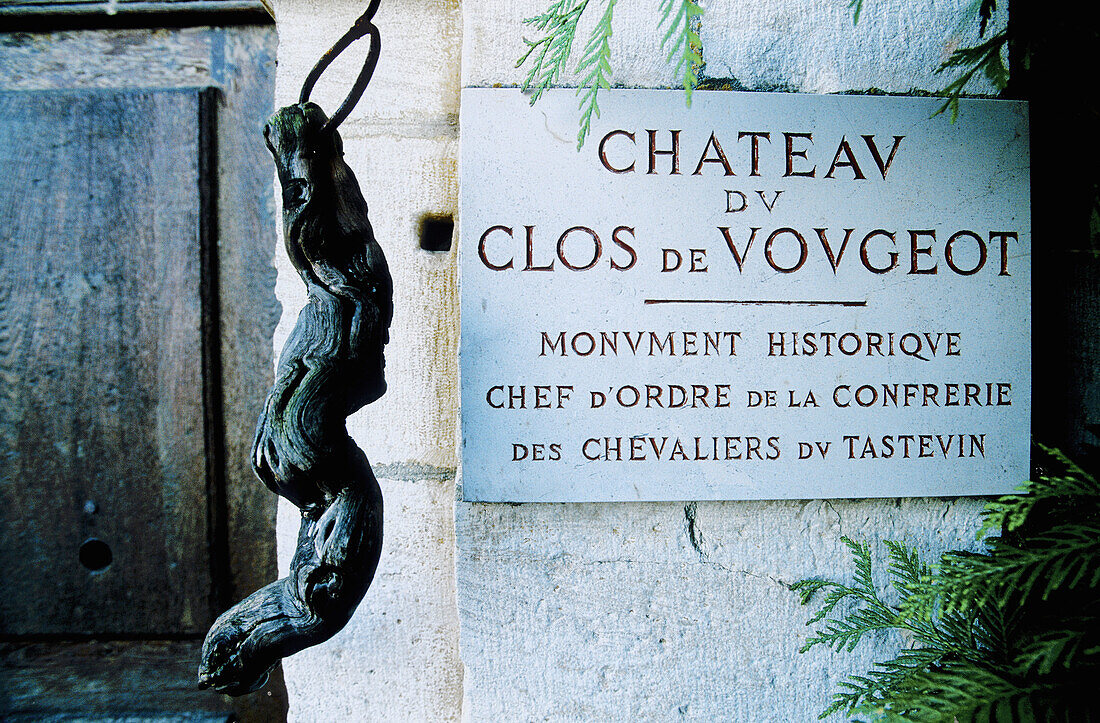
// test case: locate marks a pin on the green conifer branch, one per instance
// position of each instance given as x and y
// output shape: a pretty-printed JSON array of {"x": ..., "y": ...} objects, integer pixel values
[
  {"x": 856, "y": 6},
  {"x": 548, "y": 55},
  {"x": 1060, "y": 559},
  {"x": 682, "y": 42},
  {"x": 596, "y": 63},
  {"x": 984, "y": 57},
  {"x": 1011, "y": 634},
  {"x": 1059, "y": 650}
]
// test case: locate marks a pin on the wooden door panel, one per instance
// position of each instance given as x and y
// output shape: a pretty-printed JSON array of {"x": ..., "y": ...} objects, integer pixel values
[{"x": 102, "y": 450}]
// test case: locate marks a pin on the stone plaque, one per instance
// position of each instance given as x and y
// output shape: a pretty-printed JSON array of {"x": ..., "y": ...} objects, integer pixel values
[{"x": 765, "y": 296}]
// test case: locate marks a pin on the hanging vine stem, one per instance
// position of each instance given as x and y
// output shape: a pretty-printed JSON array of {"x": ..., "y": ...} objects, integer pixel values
[{"x": 333, "y": 364}]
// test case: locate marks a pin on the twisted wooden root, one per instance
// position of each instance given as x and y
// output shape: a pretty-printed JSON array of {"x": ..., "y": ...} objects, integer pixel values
[{"x": 332, "y": 365}]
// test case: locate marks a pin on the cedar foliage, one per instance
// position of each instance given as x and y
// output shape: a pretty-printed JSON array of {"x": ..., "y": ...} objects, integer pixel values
[
  {"x": 985, "y": 57},
  {"x": 1009, "y": 634},
  {"x": 548, "y": 55}
]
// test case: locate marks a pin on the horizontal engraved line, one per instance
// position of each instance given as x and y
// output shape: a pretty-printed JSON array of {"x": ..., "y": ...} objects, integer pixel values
[{"x": 756, "y": 302}]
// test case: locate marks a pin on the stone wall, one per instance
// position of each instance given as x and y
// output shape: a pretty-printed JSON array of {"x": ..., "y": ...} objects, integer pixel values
[
  {"x": 628, "y": 611},
  {"x": 398, "y": 658}
]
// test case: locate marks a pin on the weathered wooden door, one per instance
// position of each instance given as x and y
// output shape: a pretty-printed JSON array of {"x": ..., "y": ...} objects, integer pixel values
[
  {"x": 136, "y": 308},
  {"x": 103, "y": 489}
]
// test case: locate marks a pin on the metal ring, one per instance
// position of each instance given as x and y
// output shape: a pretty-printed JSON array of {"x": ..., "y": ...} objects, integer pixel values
[{"x": 363, "y": 26}]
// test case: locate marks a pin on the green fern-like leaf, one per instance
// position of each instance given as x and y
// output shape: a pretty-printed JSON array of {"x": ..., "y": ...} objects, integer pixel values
[
  {"x": 550, "y": 53},
  {"x": 1012, "y": 634},
  {"x": 856, "y": 6},
  {"x": 808, "y": 588},
  {"x": 985, "y": 13},
  {"x": 957, "y": 691},
  {"x": 910, "y": 575},
  {"x": 984, "y": 57},
  {"x": 995, "y": 634},
  {"x": 1062, "y": 558},
  {"x": 866, "y": 690},
  {"x": 1070, "y": 487},
  {"x": 1060, "y": 650},
  {"x": 682, "y": 42},
  {"x": 845, "y": 632},
  {"x": 595, "y": 63}
]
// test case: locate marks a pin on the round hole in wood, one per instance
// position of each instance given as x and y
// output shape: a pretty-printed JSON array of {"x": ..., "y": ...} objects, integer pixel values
[{"x": 95, "y": 554}]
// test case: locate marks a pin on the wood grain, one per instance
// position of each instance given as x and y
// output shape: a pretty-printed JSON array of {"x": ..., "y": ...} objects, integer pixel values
[
  {"x": 101, "y": 430},
  {"x": 240, "y": 61},
  {"x": 88, "y": 678},
  {"x": 331, "y": 366}
]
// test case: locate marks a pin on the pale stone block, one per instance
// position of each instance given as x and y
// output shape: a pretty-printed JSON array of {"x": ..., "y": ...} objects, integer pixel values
[
  {"x": 397, "y": 659},
  {"x": 404, "y": 179},
  {"x": 810, "y": 46},
  {"x": 641, "y": 611},
  {"x": 655, "y": 611},
  {"x": 813, "y": 46},
  {"x": 417, "y": 74}
]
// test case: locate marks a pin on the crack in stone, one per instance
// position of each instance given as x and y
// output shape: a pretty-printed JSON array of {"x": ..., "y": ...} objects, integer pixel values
[
  {"x": 839, "y": 519},
  {"x": 695, "y": 535}
]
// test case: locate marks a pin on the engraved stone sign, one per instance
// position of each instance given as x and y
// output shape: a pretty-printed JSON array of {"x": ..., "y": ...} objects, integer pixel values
[{"x": 765, "y": 296}]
